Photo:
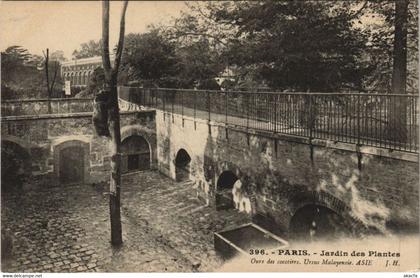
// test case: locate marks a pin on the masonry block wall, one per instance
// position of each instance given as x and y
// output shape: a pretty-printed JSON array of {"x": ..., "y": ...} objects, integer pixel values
[
  {"x": 43, "y": 138},
  {"x": 281, "y": 174}
]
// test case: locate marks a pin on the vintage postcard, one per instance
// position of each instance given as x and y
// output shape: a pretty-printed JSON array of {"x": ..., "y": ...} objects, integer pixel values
[{"x": 220, "y": 136}]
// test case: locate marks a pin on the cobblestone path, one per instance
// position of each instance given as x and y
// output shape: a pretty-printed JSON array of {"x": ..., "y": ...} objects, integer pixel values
[{"x": 66, "y": 229}]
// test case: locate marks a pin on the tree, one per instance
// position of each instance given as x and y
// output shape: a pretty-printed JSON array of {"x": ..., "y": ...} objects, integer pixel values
[
  {"x": 111, "y": 78},
  {"x": 381, "y": 43},
  {"x": 297, "y": 45},
  {"x": 149, "y": 57},
  {"x": 47, "y": 67},
  {"x": 21, "y": 75},
  {"x": 89, "y": 49},
  {"x": 13, "y": 60},
  {"x": 398, "y": 111},
  {"x": 158, "y": 59},
  {"x": 198, "y": 65},
  {"x": 58, "y": 56}
]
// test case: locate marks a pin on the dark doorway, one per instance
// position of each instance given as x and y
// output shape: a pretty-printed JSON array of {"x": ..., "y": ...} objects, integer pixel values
[
  {"x": 15, "y": 166},
  {"x": 72, "y": 165},
  {"x": 182, "y": 165},
  {"x": 224, "y": 196},
  {"x": 133, "y": 162},
  {"x": 136, "y": 154},
  {"x": 315, "y": 222}
]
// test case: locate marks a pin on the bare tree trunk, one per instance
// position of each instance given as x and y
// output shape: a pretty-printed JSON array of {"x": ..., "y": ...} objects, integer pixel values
[
  {"x": 111, "y": 77},
  {"x": 55, "y": 76},
  {"x": 46, "y": 55},
  {"x": 397, "y": 108}
]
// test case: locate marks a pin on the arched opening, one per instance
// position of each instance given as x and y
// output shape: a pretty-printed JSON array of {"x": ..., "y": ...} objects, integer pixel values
[
  {"x": 16, "y": 165},
  {"x": 182, "y": 165},
  {"x": 83, "y": 77},
  {"x": 79, "y": 78},
  {"x": 315, "y": 222},
  {"x": 136, "y": 154},
  {"x": 72, "y": 164},
  {"x": 224, "y": 195},
  {"x": 89, "y": 74}
]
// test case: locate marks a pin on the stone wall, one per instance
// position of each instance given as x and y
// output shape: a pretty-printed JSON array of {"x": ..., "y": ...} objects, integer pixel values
[
  {"x": 369, "y": 188},
  {"x": 43, "y": 137}
]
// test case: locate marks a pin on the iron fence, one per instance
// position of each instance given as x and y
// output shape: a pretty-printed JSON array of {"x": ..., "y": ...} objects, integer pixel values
[{"x": 380, "y": 120}]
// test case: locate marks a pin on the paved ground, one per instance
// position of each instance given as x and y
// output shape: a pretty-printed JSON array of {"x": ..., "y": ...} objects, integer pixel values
[{"x": 165, "y": 228}]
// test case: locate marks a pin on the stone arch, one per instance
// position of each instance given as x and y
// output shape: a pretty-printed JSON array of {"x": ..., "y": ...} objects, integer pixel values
[
  {"x": 224, "y": 187},
  {"x": 317, "y": 215},
  {"x": 16, "y": 164},
  {"x": 136, "y": 153},
  {"x": 71, "y": 161},
  {"x": 19, "y": 141},
  {"x": 131, "y": 130},
  {"x": 182, "y": 165}
]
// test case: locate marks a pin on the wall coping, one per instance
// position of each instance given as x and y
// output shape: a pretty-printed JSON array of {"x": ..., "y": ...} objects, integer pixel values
[
  {"x": 63, "y": 116},
  {"x": 352, "y": 147}
]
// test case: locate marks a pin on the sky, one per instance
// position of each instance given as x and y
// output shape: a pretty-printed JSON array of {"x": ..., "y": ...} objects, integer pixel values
[{"x": 64, "y": 25}]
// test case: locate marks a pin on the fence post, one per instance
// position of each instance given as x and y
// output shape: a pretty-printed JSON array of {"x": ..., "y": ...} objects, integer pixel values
[
  {"x": 173, "y": 104},
  {"x": 195, "y": 103},
  {"x": 164, "y": 103},
  {"x": 182, "y": 108},
  {"x": 209, "y": 104},
  {"x": 311, "y": 117},
  {"x": 226, "y": 107},
  {"x": 182, "y": 105},
  {"x": 247, "y": 109},
  {"x": 155, "y": 96},
  {"x": 358, "y": 119},
  {"x": 275, "y": 106}
]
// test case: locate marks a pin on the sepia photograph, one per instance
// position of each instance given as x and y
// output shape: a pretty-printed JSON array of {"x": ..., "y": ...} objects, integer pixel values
[{"x": 209, "y": 137}]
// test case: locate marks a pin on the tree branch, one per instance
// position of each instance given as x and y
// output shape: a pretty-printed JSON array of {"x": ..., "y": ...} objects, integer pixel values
[
  {"x": 105, "y": 40},
  {"x": 55, "y": 76},
  {"x": 120, "y": 40},
  {"x": 46, "y": 55}
]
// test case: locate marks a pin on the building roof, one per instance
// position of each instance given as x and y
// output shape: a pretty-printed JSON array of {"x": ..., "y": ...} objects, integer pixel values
[{"x": 86, "y": 61}]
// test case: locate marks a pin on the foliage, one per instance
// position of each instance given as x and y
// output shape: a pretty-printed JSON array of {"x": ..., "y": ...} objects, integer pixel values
[
  {"x": 297, "y": 45},
  {"x": 380, "y": 46},
  {"x": 157, "y": 60},
  {"x": 21, "y": 77},
  {"x": 88, "y": 49},
  {"x": 58, "y": 56},
  {"x": 23, "y": 74},
  {"x": 198, "y": 65},
  {"x": 301, "y": 45},
  {"x": 149, "y": 57}
]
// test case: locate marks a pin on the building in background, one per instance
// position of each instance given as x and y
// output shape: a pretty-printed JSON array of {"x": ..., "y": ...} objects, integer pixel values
[{"x": 78, "y": 71}]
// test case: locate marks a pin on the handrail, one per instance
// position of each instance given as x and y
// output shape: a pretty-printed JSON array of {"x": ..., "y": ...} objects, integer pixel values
[
  {"x": 272, "y": 92},
  {"x": 390, "y": 121}
]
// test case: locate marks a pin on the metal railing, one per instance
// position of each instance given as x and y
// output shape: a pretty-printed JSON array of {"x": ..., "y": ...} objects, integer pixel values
[
  {"x": 35, "y": 107},
  {"x": 380, "y": 120}
]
